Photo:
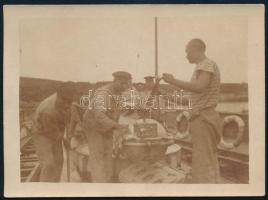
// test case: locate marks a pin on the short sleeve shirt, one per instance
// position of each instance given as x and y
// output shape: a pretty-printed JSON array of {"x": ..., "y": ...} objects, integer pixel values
[
  {"x": 48, "y": 120},
  {"x": 210, "y": 97},
  {"x": 106, "y": 113},
  {"x": 106, "y": 102}
]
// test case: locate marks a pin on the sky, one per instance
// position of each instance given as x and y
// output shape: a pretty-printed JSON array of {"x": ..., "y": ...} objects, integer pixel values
[{"x": 91, "y": 49}]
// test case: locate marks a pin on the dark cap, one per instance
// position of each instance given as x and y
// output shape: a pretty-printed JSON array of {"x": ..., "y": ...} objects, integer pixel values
[
  {"x": 122, "y": 74},
  {"x": 67, "y": 91},
  {"x": 149, "y": 77}
]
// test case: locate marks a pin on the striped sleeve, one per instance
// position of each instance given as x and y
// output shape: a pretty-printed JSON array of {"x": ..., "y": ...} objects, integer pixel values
[{"x": 207, "y": 65}]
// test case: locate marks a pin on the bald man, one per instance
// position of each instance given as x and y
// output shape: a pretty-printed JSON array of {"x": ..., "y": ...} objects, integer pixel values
[{"x": 205, "y": 122}]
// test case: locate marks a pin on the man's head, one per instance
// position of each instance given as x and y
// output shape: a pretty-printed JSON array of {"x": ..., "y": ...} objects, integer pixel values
[
  {"x": 66, "y": 94},
  {"x": 149, "y": 82},
  {"x": 195, "y": 50},
  {"x": 122, "y": 81}
]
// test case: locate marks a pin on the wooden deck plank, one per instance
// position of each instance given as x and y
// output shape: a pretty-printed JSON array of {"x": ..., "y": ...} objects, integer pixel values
[
  {"x": 24, "y": 141},
  {"x": 33, "y": 173}
]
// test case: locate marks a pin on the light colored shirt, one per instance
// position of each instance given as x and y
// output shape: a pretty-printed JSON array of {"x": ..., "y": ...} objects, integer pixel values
[
  {"x": 48, "y": 120},
  {"x": 105, "y": 109},
  {"x": 209, "y": 97}
]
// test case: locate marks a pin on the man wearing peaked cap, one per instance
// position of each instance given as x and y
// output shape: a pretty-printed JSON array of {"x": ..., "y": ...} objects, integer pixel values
[
  {"x": 149, "y": 78},
  {"x": 122, "y": 74},
  {"x": 101, "y": 124},
  {"x": 122, "y": 81},
  {"x": 149, "y": 82}
]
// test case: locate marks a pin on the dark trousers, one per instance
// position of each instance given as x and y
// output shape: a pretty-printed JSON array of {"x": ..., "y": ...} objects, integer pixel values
[
  {"x": 205, "y": 130},
  {"x": 100, "y": 156},
  {"x": 50, "y": 155}
]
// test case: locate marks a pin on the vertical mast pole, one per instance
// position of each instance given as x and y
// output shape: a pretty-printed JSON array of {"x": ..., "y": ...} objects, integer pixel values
[
  {"x": 156, "y": 65},
  {"x": 156, "y": 48}
]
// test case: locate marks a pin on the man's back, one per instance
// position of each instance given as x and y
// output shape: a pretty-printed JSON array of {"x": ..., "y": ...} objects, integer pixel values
[
  {"x": 47, "y": 120},
  {"x": 47, "y": 105}
]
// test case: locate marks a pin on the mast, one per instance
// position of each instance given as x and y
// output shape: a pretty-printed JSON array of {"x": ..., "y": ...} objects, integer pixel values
[
  {"x": 156, "y": 66},
  {"x": 156, "y": 48}
]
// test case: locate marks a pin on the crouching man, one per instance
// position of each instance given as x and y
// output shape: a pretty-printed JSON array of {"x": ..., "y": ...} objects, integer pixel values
[
  {"x": 51, "y": 118},
  {"x": 100, "y": 123}
]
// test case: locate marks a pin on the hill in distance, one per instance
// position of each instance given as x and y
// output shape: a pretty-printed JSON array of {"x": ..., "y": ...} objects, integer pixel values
[{"x": 35, "y": 89}]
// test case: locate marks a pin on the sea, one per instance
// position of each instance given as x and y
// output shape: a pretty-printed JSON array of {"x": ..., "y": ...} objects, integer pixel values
[{"x": 234, "y": 107}]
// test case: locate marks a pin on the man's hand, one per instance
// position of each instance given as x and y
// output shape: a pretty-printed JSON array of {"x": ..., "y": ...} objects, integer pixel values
[
  {"x": 158, "y": 79},
  {"x": 168, "y": 77},
  {"x": 198, "y": 86},
  {"x": 120, "y": 126},
  {"x": 117, "y": 133},
  {"x": 121, "y": 130}
]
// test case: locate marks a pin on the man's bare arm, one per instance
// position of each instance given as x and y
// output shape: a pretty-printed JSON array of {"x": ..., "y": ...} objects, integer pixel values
[{"x": 198, "y": 86}]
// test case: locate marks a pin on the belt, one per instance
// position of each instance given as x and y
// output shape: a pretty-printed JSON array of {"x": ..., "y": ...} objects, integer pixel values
[{"x": 197, "y": 114}]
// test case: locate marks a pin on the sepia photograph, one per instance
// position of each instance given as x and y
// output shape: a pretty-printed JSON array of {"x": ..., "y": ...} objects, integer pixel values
[{"x": 134, "y": 96}]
